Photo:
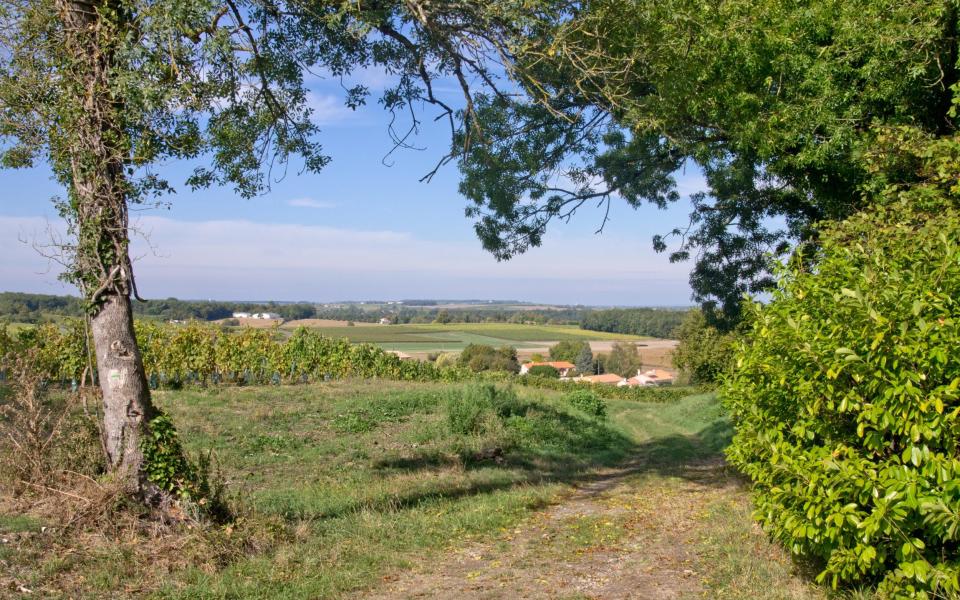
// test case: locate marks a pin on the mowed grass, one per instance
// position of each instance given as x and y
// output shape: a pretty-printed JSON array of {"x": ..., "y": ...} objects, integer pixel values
[{"x": 340, "y": 485}]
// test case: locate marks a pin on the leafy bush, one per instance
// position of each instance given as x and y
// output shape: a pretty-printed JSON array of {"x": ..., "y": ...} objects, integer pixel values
[
  {"x": 704, "y": 352},
  {"x": 587, "y": 401},
  {"x": 467, "y": 407},
  {"x": 506, "y": 403},
  {"x": 846, "y": 397},
  {"x": 446, "y": 359},
  {"x": 472, "y": 408},
  {"x": 480, "y": 357},
  {"x": 544, "y": 371}
]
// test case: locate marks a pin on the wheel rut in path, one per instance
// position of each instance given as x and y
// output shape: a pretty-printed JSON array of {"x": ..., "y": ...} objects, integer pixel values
[{"x": 627, "y": 532}]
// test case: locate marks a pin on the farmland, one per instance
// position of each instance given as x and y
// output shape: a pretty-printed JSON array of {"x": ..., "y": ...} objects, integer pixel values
[
  {"x": 357, "y": 488},
  {"x": 455, "y": 336}
]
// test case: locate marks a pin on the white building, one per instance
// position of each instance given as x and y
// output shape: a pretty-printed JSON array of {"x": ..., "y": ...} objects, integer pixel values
[
  {"x": 241, "y": 315},
  {"x": 265, "y": 315},
  {"x": 651, "y": 377}
]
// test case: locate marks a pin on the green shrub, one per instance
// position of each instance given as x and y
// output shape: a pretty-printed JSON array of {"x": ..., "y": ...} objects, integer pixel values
[
  {"x": 704, "y": 353},
  {"x": 587, "y": 401},
  {"x": 667, "y": 393},
  {"x": 544, "y": 371},
  {"x": 846, "y": 397},
  {"x": 446, "y": 359},
  {"x": 467, "y": 407},
  {"x": 480, "y": 357},
  {"x": 506, "y": 403},
  {"x": 471, "y": 408}
]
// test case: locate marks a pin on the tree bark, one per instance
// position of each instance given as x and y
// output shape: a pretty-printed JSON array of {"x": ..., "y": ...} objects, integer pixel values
[{"x": 127, "y": 408}]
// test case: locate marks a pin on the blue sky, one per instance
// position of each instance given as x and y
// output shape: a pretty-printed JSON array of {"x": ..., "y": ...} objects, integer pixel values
[{"x": 357, "y": 230}]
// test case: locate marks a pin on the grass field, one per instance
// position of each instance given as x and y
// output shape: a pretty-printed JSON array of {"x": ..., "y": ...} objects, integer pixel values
[
  {"x": 349, "y": 486},
  {"x": 455, "y": 336}
]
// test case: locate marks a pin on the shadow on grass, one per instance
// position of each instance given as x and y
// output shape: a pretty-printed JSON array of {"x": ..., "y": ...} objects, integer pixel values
[
  {"x": 697, "y": 457},
  {"x": 555, "y": 447},
  {"x": 413, "y": 499}
]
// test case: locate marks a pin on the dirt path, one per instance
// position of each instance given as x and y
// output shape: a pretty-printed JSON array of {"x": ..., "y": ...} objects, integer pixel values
[{"x": 624, "y": 533}]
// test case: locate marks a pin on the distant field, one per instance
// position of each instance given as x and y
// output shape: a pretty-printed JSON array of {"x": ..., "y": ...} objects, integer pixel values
[
  {"x": 454, "y": 337},
  {"x": 468, "y": 332}
]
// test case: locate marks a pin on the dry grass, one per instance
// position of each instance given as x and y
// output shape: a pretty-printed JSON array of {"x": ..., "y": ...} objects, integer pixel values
[
  {"x": 60, "y": 514},
  {"x": 29, "y": 423}
]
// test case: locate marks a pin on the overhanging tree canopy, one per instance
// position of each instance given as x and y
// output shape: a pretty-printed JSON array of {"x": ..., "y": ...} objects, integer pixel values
[{"x": 778, "y": 104}]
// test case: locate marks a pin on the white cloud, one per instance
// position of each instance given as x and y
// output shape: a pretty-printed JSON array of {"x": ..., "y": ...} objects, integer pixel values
[
  {"x": 327, "y": 109},
  {"x": 310, "y": 203},
  {"x": 239, "y": 259}
]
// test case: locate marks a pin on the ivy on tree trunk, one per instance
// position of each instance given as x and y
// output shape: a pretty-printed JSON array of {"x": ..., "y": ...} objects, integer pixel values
[{"x": 98, "y": 192}]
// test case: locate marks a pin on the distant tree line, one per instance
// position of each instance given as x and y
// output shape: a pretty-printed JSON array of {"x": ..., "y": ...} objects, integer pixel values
[
  {"x": 654, "y": 322},
  {"x": 404, "y": 316},
  {"x": 36, "y": 308},
  {"x": 31, "y": 308}
]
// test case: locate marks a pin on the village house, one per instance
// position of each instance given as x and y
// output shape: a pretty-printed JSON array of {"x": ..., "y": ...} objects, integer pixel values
[
  {"x": 265, "y": 315},
  {"x": 651, "y": 377},
  {"x": 562, "y": 366},
  {"x": 606, "y": 378}
]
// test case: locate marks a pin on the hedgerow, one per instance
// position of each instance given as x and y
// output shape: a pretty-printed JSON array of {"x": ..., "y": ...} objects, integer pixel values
[
  {"x": 846, "y": 397},
  {"x": 610, "y": 392}
]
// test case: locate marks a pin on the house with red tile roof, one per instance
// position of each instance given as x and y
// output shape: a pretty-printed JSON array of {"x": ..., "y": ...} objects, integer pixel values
[
  {"x": 651, "y": 377},
  {"x": 560, "y": 365},
  {"x": 607, "y": 378}
]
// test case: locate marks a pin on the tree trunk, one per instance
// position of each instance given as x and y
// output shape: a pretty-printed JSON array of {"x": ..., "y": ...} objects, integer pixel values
[
  {"x": 95, "y": 173},
  {"x": 127, "y": 409}
]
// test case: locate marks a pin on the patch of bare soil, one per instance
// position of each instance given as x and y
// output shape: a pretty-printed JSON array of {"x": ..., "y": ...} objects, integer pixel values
[{"x": 622, "y": 534}]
